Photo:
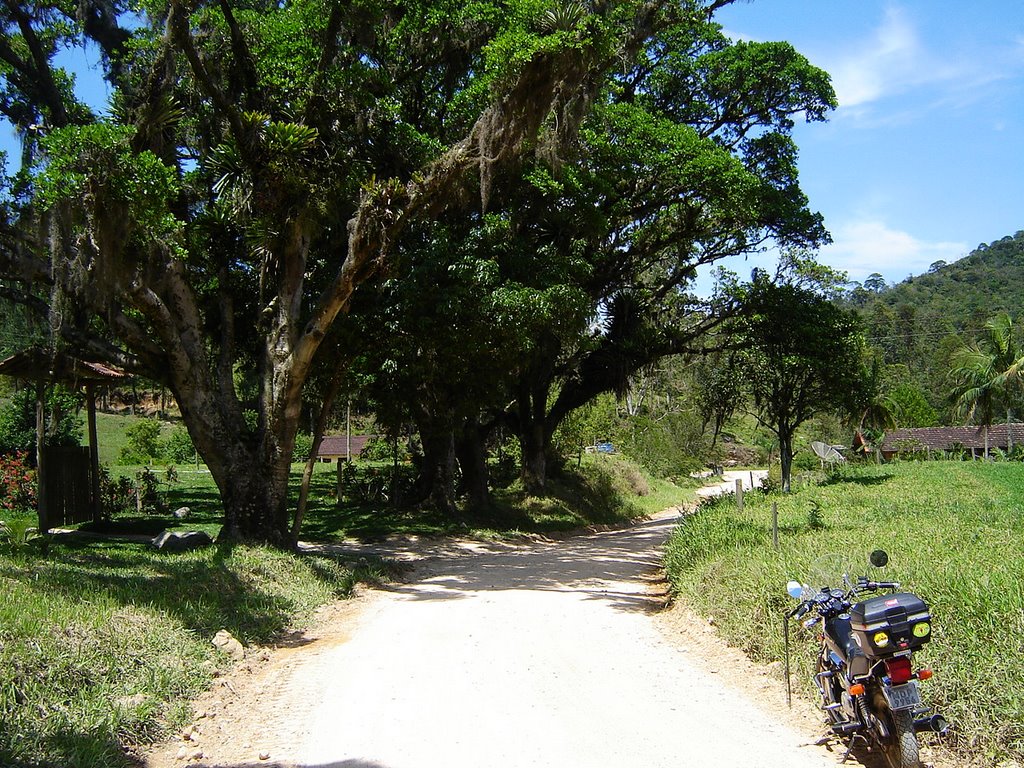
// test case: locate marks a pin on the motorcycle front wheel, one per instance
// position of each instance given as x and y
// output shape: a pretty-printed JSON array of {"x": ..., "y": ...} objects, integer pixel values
[
  {"x": 901, "y": 749},
  {"x": 829, "y": 689}
]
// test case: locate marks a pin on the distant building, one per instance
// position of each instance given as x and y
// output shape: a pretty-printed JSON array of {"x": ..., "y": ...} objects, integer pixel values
[
  {"x": 947, "y": 440},
  {"x": 335, "y": 447}
]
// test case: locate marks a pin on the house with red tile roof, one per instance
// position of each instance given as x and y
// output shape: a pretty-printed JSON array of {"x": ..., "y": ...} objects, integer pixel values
[{"x": 947, "y": 440}]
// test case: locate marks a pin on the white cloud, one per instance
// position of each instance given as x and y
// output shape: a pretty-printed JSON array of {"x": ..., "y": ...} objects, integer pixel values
[
  {"x": 893, "y": 61},
  {"x": 866, "y": 74},
  {"x": 866, "y": 246}
]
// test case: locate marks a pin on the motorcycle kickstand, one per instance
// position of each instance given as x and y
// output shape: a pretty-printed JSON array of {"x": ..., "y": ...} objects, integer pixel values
[{"x": 852, "y": 744}]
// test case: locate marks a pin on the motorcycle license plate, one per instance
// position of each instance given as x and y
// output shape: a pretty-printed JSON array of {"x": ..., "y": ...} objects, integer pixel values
[{"x": 902, "y": 696}]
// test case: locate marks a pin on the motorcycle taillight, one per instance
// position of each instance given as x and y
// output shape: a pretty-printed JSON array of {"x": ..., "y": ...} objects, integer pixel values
[{"x": 899, "y": 669}]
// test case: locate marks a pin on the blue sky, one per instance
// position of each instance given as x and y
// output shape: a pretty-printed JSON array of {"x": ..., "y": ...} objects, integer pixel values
[{"x": 924, "y": 159}]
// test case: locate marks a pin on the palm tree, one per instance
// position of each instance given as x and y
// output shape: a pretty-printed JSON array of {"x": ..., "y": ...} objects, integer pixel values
[
  {"x": 871, "y": 412},
  {"x": 986, "y": 373}
]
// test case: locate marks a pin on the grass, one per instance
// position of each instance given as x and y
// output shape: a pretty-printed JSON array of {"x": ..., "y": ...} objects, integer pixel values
[
  {"x": 955, "y": 534},
  {"x": 103, "y": 644},
  {"x": 112, "y": 434},
  {"x": 604, "y": 490}
]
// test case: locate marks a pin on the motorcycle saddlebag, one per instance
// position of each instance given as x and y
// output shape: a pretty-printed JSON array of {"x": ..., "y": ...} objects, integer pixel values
[{"x": 891, "y": 623}]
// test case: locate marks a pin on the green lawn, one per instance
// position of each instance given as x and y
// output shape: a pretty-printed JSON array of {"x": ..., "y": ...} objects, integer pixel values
[
  {"x": 602, "y": 491},
  {"x": 955, "y": 535}
]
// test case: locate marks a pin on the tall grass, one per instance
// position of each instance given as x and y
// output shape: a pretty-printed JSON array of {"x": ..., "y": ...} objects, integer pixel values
[
  {"x": 603, "y": 490},
  {"x": 955, "y": 535}
]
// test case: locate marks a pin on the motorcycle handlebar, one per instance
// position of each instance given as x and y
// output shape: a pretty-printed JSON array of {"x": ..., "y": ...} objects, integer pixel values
[
  {"x": 800, "y": 611},
  {"x": 883, "y": 585},
  {"x": 864, "y": 584}
]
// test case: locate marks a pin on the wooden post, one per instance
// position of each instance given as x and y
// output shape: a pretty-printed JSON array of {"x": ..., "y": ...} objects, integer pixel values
[
  {"x": 94, "y": 455},
  {"x": 739, "y": 493},
  {"x": 348, "y": 431},
  {"x": 41, "y": 505},
  {"x": 775, "y": 525}
]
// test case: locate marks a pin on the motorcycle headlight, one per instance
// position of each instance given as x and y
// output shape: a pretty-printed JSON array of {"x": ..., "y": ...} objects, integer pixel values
[
  {"x": 922, "y": 629},
  {"x": 880, "y": 639}
]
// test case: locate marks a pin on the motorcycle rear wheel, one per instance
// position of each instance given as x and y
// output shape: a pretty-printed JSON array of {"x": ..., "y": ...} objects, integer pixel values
[{"x": 902, "y": 749}]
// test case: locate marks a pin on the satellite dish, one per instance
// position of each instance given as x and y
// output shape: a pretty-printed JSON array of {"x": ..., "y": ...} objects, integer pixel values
[{"x": 826, "y": 452}]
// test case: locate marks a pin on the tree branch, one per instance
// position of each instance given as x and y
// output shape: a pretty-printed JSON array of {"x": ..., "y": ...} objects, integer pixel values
[
  {"x": 327, "y": 55},
  {"x": 41, "y": 72},
  {"x": 243, "y": 56},
  {"x": 181, "y": 35}
]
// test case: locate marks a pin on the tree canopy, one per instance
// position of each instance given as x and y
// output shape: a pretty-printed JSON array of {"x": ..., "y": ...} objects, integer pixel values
[{"x": 528, "y": 188}]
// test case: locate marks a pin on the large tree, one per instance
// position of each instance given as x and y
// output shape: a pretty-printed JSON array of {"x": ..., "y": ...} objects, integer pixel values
[
  {"x": 687, "y": 159},
  {"x": 261, "y": 161}
]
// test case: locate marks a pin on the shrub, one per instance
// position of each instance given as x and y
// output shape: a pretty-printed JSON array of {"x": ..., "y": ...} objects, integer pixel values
[
  {"x": 143, "y": 445},
  {"x": 117, "y": 494},
  {"x": 18, "y": 482},
  {"x": 626, "y": 476},
  {"x": 147, "y": 492},
  {"x": 179, "y": 447},
  {"x": 18, "y": 420},
  {"x": 806, "y": 460},
  {"x": 19, "y": 534},
  {"x": 303, "y": 446},
  {"x": 382, "y": 448},
  {"x": 671, "y": 446}
]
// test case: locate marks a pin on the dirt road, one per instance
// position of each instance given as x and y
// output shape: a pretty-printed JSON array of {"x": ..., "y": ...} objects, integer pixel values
[{"x": 547, "y": 654}]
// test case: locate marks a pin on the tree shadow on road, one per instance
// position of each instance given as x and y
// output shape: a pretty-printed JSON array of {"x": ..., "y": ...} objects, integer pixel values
[{"x": 621, "y": 567}]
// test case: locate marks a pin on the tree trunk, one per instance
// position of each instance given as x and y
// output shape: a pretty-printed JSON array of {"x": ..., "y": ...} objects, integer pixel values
[
  {"x": 786, "y": 458},
  {"x": 534, "y": 445},
  {"x": 471, "y": 452},
  {"x": 255, "y": 502},
  {"x": 435, "y": 484},
  {"x": 251, "y": 467},
  {"x": 534, "y": 437}
]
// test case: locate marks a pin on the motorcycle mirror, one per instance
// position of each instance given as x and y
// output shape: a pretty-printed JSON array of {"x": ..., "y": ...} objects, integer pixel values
[
  {"x": 879, "y": 558},
  {"x": 795, "y": 589}
]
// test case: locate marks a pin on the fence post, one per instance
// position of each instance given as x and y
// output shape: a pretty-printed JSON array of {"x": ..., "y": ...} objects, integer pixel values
[
  {"x": 739, "y": 493},
  {"x": 775, "y": 525}
]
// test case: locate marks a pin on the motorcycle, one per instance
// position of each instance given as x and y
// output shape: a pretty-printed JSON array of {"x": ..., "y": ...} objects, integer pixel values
[{"x": 865, "y": 669}]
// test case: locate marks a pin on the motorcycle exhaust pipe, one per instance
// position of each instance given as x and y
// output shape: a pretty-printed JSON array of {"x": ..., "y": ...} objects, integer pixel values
[{"x": 934, "y": 724}]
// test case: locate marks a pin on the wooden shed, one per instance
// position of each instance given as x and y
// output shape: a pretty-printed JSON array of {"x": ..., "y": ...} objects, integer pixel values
[
  {"x": 342, "y": 447},
  {"x": 68, "y": 478}
]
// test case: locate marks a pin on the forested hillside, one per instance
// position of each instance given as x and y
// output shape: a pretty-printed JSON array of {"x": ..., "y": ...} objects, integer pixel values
[{"x": 917, "y": 323}]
